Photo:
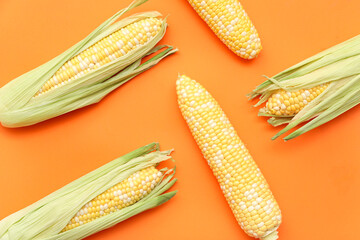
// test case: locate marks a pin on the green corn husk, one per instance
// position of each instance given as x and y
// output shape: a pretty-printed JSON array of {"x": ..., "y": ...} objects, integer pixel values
[
  {"x": 18, "y": 107},
  {"x": 46, "y": 218},
  {"x": 339, "y": 66}
]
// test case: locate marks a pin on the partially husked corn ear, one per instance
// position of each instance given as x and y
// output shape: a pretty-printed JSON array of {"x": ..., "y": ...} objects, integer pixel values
[
  {"x": 111, "y": 55},
  {"x": 241, "y": 181},
  {"x": 231, "y": 24},
  {"x": 286, "y": 103},
  {"x": 108, "y": 49},
  {"x": 120, "y": 189},
  {"x": 123, "y": 194},
  {"x": 319, "y": 89}
]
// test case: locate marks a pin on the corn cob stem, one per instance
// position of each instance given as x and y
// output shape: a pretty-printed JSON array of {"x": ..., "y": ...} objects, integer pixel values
[{"x": 241, "y": 181}]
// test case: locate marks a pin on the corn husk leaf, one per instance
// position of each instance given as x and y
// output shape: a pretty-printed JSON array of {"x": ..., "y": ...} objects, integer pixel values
[
  {"x": 339, "y": 66},
  {"x": 46, "y": 218},
  {"x": 18, "y": 107}
]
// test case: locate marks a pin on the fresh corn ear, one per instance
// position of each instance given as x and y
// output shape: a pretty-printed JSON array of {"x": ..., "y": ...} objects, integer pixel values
[
  {"x": 231, "y": 24},
  {"x": 113, "y": 193},
  {"x": 107, "y": 58},
  {"x": 316, "y": 90},
  {"x": 241, "y": 181}
]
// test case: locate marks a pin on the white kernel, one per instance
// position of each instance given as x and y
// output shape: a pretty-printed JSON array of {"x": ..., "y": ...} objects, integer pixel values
[
  {"x": 55, "y": 80},
  {"x": 261, "y": 224},
  {"x": 251, "y": 208},
  {"x": 106, "y": 51},
  {"x": 94, "y": 58}
]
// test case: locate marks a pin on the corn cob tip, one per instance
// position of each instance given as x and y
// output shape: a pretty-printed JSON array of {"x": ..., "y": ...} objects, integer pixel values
[{"x": 183, "y": 84}]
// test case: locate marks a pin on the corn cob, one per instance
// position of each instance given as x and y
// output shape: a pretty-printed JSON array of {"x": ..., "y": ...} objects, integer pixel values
[
  {"x": 122, "y": 195},
  {"x": 230, "y": 23},
  {"x": 112, "y": 193},
  {"x": 316, "y": 90},
  {"x": 241, "y": 181},
  {"x": 110, "y": 48},
  {"x": 286, "y": 103},
  {"x": 108, "y": 57}
]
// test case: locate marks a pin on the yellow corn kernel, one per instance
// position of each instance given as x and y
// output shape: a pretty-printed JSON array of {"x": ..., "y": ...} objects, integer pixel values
[{"x": 241, "y": 181}]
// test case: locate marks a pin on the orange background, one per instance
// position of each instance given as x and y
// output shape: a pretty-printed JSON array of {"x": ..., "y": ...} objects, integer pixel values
[{"x": 315, "y": 177}]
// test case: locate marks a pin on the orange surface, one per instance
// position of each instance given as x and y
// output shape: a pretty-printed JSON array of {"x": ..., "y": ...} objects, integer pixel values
[{"x": 315, "y": 177}]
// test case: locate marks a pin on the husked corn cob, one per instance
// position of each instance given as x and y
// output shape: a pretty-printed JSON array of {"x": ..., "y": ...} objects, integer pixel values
[
  {"x": 108, "y": 49},
  {"x": 285, "y": 103},
  {"x": 231, "y": 24},
  {"x": 124, "y": 194},
  {"x": 241, "y": 181}
]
